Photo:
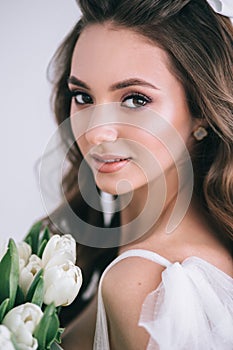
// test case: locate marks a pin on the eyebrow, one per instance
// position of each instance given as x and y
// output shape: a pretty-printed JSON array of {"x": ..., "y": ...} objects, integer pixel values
[
  {"x": 117, "y": 86},
  {"x": 75, "y": 81}
]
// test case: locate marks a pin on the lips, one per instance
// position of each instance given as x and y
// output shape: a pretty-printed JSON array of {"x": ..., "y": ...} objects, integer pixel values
[{"x": 109, "y": 163}]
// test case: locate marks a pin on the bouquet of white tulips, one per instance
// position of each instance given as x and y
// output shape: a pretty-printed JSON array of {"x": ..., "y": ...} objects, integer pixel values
[{"x": 37, "y": 276}]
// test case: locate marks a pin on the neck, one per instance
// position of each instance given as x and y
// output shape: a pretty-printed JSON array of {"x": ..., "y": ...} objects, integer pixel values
[{"x": 149, "y": 208}]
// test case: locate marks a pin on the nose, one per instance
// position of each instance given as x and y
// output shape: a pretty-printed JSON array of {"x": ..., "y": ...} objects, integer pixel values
[
  {"x": 102, "y": 124},
  {"x": 100, "y": 134}
]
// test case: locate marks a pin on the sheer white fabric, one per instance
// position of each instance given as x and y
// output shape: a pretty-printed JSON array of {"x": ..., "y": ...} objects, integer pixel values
[{"x": 192, "y": 309}]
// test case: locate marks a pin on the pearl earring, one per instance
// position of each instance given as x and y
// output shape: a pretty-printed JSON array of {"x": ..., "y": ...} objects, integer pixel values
[{"x": 200, "y": 133}]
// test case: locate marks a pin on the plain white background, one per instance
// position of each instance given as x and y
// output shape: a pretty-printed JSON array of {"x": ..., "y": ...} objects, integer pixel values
[{"x": 30, "y": 32}]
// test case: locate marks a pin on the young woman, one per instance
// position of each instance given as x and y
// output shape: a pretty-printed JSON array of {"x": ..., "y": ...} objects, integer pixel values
[{"x": 140, "y": 86}]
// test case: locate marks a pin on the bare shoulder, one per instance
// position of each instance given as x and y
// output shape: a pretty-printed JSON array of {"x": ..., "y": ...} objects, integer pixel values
[
  {"x": 217, "y": 255},
  {"x": 203, "y": 245},
  {"x": 127, "y": 283},
  {"x": 198, "y": 238},
  {"x": 124, "y": 289}
]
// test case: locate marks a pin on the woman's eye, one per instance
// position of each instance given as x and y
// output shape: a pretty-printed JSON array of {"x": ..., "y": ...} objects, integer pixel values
[
  {"x": 135, "y": 101},
  {"x": 81, "y": 98}
]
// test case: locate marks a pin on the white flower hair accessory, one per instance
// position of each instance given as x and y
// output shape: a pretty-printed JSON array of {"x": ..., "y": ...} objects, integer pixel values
[{"x": 223, "y": 7}]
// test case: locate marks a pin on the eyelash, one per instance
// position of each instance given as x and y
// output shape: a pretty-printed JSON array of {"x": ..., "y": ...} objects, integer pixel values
[
  {"x": 74, "y": 93},
  {"x": 132, "y": 95},
  {"x": 139, "y": 96}
]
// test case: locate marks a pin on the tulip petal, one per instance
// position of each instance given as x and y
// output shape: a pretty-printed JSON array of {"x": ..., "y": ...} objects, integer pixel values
[
  {"x": 5, "y": 338},
  {"x": 57, "y": 245},
  {"x": 29, "y": 273},
  {"x": 24, "y": 251},
  {"x": 22, "y": 322},
  {"x": 62, "y": 283}
]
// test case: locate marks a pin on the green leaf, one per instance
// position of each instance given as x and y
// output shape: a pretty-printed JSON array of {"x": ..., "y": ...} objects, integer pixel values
[
  {"x": 32, "y": 237},
  {"x": 38, "y": 296},
  {"x": 3, "y": 309},
  {"x": 59, "y": 308},
  {"x": 46, "y": 234},
  {"x": 45, "y": 237},
  {"x": 47, "y": 329},
  {"x": 33, "y": 286},
  {"x": 9, "y": 272},
  {"x": 41, "y": 248},
  {"x": 29, "y": 241},
  {"x": 19, "y": 297},
  {"x": 52, "y": 330},
  {"x": 58, "y": 336}
]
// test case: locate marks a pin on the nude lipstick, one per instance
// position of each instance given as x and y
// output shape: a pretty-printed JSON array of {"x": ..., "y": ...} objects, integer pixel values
[{"x": 109, "y": 163}]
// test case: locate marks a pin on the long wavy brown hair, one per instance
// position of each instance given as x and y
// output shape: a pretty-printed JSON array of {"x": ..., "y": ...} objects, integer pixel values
[{"x": 198, "y": 42}]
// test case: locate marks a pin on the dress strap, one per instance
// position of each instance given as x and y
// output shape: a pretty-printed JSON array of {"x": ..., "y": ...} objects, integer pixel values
[{"x": 142, "y": 253}]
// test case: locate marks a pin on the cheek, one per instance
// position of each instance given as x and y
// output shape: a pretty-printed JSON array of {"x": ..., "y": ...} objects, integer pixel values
[
  {"x": 178, "y": 133},
  {"x": 183, "y": 124},
  {"x": 72, "y": 119},
  {"x": 174, "y": 109},
  {"x": 78, "y": 124},
  {"x": 73, "y": 107},
  {"x": 82, "y": 145},
  {"x": 178, "y": 117},
  {"x": 155, "y": 155},
  {"x": 161, "y": 149}
]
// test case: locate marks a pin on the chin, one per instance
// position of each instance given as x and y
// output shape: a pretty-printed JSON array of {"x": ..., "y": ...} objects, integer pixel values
[{"x": 121, "y": 187}]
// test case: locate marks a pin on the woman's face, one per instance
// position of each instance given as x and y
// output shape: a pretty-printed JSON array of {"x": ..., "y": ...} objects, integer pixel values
[{"x": 128, "y": 105}]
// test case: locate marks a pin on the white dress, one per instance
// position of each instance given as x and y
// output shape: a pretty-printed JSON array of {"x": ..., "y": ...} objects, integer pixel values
[{"x": 192, "y": 308}]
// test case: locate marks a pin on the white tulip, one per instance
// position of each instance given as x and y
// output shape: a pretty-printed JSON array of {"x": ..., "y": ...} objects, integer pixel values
[
  {"x": 22, "y": 322},
  {"x": 62, "y": 246},
  {"x": 25, "y": 252},
  {"x": 28, "y": 272},
  {"x": 5, "y": 338},
  {"x": 62, "y": 283}
]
